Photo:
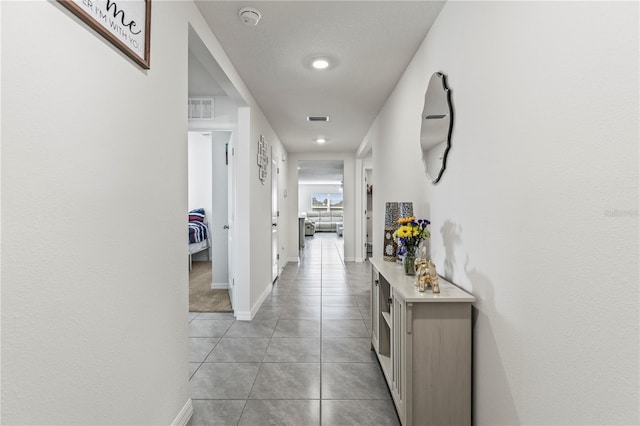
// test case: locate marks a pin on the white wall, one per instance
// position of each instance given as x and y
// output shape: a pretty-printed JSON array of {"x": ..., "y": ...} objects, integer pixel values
[
  {"x": 94, "y": 317},
  {"x": 94, "y": 290},
  {"x": 259, "y": 219},
  {"x": 305, "y": 191},
  {"x": 537, "y": 213},
  {"x": 199, "y": 172},
  {"x": 225, "y": 115}
]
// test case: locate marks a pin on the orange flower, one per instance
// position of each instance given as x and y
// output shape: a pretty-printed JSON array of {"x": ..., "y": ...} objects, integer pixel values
[{"x": 404, "y": 220}]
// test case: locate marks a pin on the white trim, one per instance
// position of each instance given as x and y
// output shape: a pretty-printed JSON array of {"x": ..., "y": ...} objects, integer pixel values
[
  {"x": 219, "y": 286},
  {"x": 248, "y": 316},
  {"x": 294, "y": 259},
  {"x": 349, "y": 259},
  {"x": 184, "y": 415},
  {"x": 212, "y": 126},
  {"x": 359, "y": 260},
  {"x": 243, "y": 316}
]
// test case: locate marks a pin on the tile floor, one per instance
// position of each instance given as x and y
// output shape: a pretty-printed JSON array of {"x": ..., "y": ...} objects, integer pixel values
[{"x": 305, "y": 358}]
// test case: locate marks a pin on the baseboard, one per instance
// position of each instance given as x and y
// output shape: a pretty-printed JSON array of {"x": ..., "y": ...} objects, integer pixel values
[
  {"x": 243, "y": 315},
  {"x": 184, "y": 415},
  {"x": 349, "y": 259},
  {"x": 262, "y": 298},
  {"x": 359, "y": 260},
  {"x": 248, "y": 315},
  {"x": 216, "y": 286},
  {"x": 294, "y": 259}
]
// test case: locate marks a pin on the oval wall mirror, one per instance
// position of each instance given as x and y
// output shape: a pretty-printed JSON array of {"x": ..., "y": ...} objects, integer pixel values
[{"x": 437, "y": 123}]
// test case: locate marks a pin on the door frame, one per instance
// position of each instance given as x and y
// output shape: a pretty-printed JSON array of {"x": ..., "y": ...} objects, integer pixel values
[
  {"x": 275, "y": 217},
  {"x": 231, "y": 207}
]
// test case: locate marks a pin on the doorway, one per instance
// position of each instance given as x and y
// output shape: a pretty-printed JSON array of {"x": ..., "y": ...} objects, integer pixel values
[
  {"x": 320, "y": 199},
  {"x": 368, "y": 213},
  {"x": 275, "y": 218},
  {"x": 208, "y": 188}
]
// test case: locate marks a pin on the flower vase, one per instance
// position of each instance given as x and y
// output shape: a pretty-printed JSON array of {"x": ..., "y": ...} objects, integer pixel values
[
  {"x": 410, "y": 263},
  {"x": 393, "y": 212}
]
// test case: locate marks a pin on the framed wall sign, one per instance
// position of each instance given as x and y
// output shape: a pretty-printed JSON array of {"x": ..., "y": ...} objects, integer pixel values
[
  {"x": 125, "y": 23},
  {"x": 263, "y": 159}
]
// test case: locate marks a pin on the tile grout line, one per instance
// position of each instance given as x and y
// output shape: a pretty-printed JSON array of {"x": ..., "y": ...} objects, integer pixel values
[
  {"x": 321, "y": 327},
  {"x": 278, "y": 318},
  {"x": 260, "y": 364}
]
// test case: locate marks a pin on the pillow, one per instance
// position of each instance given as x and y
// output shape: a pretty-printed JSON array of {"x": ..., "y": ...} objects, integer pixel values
[{"x": 196, "y": 215}]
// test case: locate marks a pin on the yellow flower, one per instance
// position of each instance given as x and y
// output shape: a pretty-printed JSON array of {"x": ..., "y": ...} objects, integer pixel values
[{"x": 405, "y": 231}]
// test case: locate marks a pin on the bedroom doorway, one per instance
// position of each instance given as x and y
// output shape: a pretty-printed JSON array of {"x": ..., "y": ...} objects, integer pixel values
[{"x": 209, "y": 189}]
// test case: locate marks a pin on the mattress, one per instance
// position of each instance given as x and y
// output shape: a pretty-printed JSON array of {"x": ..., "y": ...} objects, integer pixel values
[{"x": 198, "y": 247}]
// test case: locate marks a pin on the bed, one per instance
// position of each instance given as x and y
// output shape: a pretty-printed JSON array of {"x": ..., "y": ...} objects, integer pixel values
[{"x": 199, "y": 236}]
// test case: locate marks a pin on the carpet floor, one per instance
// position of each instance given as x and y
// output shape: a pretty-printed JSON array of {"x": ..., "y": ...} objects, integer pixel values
[{"x": 202, "y": 298}]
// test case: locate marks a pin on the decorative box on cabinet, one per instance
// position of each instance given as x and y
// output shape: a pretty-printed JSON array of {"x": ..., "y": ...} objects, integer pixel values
[{"x": 423, "y": 343}]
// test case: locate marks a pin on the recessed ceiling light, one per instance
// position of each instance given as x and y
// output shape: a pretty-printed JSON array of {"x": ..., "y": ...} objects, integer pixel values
[
  {"x": 320, "y": 63},
  {"x": 321, "y": 140}
]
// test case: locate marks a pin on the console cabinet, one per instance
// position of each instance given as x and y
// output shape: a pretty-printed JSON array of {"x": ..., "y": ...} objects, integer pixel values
[{"x": 423, "y": 343}]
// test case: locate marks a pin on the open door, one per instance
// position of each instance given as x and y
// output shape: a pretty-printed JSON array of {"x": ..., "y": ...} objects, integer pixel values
[
  {"x": 368, "y": 234},
  {"x": 219, "y": 210},
  {"x": 231, "y": 215},
  {"x": 275, "y": 216}
]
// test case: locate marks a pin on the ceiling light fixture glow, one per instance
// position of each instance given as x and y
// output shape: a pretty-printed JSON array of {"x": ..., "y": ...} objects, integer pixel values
[
  {"x": 321, "y": 140},
  {"x": 320, "y": 63}
]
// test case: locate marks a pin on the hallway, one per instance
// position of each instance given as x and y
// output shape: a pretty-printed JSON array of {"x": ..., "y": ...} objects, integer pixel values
[{"x": 305, "y": 359}]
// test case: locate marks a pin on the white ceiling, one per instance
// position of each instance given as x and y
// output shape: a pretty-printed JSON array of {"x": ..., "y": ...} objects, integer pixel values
[
  {"x": 320, "y": 171},
  {"x": 369, "y": 43}
]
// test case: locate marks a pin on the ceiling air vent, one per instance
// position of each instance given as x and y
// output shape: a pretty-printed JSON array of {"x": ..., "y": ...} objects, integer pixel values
[
  {"x": 200, "y": 109},
  {"x": 318, "y": 118}
]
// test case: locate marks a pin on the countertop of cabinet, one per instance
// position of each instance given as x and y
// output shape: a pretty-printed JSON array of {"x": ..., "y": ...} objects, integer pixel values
[{"x": 404, "y": 284}]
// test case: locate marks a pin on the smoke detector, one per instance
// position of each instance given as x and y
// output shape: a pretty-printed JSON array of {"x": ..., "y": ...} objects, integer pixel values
[{"x": 250, "y": 16}]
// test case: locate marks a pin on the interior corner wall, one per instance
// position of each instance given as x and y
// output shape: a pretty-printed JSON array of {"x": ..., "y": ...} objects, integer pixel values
[
  {"x": 95, "y": 288},
  {"x": 537, "y": 212}
]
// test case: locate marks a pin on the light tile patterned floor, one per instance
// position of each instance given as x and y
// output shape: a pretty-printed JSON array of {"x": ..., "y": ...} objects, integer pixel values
[{"x": 305, "y": 358}]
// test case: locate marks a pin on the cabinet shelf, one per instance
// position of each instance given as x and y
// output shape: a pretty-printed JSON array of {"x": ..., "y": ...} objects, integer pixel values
[
  {"x": 387, "y": 317},
  {"x": 423, "y": 343}
]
